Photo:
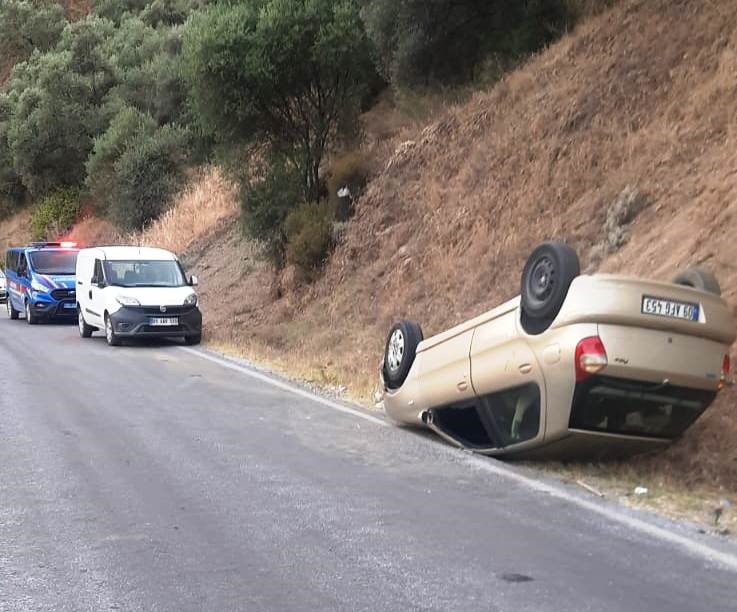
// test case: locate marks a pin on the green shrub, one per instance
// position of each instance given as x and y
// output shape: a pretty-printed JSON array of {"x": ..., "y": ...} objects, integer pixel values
[
  {"x": 266, "y": 203},
  {"x": 147, "y": 175},
  {"x": 309, "y": 232},
  {"x": 55, "y": 213},
  {"x": 351, "y": 171}
]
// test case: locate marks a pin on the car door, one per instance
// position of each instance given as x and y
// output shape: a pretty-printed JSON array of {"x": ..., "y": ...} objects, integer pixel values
[
  {"x": 509, "y": 382},
  {"x": 22, "y": 284},
  {"x": 95, "y": 310}
]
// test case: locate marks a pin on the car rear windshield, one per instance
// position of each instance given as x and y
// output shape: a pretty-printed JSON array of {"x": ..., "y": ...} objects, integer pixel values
[
  {"x": 643, "y": 409},
  {"x": 54, "y": 262},
  {"x": 144, "y": 273}
]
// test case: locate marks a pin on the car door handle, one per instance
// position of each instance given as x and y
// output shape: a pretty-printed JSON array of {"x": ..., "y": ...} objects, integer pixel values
[
  {"x": 462, "y": 385},
  {"x": 525, "y": 368},
  {"x": 90, "y": 294}
]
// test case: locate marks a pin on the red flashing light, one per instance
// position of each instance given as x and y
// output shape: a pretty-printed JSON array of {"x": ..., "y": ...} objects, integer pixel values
[{"x": 591, "y": 357}]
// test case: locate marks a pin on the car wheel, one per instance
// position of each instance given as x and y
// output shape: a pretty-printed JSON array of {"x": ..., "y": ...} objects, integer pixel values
[
  {"x": 110, "y": 335},
  {"x": 85, "y": 331},
  {"x": 192, "y": 340},
  {"x": 399, "y": 353},
  {"x": 546, "y": 277},
  {"x": 698, "y": 278},
  {"x": 31, "y": 319},
  {"x": 12, "y": 312}
]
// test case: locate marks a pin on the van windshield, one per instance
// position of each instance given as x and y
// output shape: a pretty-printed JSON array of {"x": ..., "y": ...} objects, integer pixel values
[
  {"x": 144, "y": 273},
  {"x": 54, "y": 262}
]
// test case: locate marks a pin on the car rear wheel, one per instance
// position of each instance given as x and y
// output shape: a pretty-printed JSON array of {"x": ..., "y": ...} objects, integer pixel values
[
  {"x": 546, "y": 278},
  {"x": 698, "y": 278},
  {"x": 12, "y": 312},
  {"x": 31, "y": 319},
  {"x": 110, "y": 335},
  {"x": 400, "y": 350},
  {"x": 85, "y": 331}
]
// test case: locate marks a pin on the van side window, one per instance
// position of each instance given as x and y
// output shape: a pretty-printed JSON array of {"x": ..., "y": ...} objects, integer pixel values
[
  {"x": 11, "y": 260},
  {"x": 515, "y": 412},
  {"x": 97, "y": 276},
  {"x": 22, "y": 265}
]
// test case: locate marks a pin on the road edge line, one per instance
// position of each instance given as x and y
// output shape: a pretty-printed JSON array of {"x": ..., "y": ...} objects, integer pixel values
[{"x": 492, "y": 466}]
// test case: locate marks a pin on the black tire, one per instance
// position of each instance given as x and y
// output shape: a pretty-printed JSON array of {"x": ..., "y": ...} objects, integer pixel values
[
  {"x": 399, "y": 352},
  {"x": 192, "y": 340},
  {"x": 110, "y": 336},
  {"x": 698, "y": 278},
  {"x": 12, "y": 312},
  {"x": 546, "y": 278},
  {"x": 85, "y": 331},
  {"x": 31, "y": 318}
]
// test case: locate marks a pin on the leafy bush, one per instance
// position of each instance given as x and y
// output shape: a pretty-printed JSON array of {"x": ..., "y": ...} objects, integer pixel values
[
  {"x": 55, "y": 213},
  {"x": 309, "y": 232},
  {"x": 147, "y": 174},
  {"x": 349, "y": 171},
  {"x": 266, "y": 203},
  {"x": 420, "y": 43},
  {"x": 26, "y": 26}
]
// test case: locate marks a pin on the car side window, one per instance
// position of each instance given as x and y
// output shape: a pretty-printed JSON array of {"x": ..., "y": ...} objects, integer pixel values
[
  {"x": 515, "y": 413},
  {"x": 97, "y": 276}
]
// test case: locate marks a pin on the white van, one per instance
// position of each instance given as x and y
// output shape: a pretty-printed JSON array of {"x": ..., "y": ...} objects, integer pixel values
[{"x": 135, "y": 292}]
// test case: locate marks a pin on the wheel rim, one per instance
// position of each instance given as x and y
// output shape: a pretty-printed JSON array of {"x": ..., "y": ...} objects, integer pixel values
[
  {"x": 109, "y": 330},
  {"x": 395, "y": 351},
  {"x": 542, "y": 279}
]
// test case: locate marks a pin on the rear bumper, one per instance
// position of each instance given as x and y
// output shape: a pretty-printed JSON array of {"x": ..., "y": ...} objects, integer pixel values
[{"x": 134, "y": 322}]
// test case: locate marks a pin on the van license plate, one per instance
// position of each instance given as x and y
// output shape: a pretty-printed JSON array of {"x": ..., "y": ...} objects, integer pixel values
[
  {"x": 163, "y": 321},
  {"x": 670, "y": 308}
]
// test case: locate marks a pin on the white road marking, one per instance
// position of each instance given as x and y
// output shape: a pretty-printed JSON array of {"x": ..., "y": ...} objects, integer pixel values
[
  {"x": 497, "y": 468},
  {"x": 284, "y": 386}
]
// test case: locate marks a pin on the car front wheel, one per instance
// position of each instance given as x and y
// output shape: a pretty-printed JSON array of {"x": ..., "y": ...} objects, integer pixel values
[
  {"x": 85, "y": 331},
  {"x": 12, "y": 312},
  {"x": 110, "y": 335},
  {"x": 31, "y": 319}
]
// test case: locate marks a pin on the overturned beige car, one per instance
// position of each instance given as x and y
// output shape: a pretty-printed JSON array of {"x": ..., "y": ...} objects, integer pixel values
[{"x": 576, "y": 366}]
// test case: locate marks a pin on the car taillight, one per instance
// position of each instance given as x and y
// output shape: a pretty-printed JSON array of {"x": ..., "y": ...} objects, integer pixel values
[
  {"x": 590, "y": 357},
  {"x": 726, "y": 368}
]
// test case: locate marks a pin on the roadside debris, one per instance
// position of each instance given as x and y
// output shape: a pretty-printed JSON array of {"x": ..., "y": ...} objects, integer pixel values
[
  {"x": 641, "y": 491},
  {"x": 589, "y": 488}
]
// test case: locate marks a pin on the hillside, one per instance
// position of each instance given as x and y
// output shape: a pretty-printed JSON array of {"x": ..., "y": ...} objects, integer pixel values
[{"x": 640, "y": 98}]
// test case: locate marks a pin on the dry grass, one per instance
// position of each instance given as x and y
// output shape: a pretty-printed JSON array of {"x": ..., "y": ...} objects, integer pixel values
[
  {"x": 204, "y": 204},
  {"x": 15, "y": 230},
  {"x": 632, "y": 97}
]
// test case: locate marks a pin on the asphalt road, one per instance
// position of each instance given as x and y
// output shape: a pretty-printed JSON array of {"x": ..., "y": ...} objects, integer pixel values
[{"x": 149, "y": 478}]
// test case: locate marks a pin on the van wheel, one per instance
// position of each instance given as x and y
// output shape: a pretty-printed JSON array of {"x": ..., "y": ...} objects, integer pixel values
[
  {"x": 31, "y": 318},
  {"x": 400, "y": 350},
  {"x": 192, "y": 340},
  {"x": 85, "y": 331},
  {"x": 110, "y": 335},
  {"x": 12, "y": 312},
  {"x": 546, "y": 277},
  {"x": 698, "y": 278}
]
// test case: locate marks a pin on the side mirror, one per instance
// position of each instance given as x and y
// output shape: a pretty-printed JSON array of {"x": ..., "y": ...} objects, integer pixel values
[{"x": 194, "y": 281}]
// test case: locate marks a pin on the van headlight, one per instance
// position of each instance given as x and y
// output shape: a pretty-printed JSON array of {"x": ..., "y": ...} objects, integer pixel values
[
  {"x": 38, "y": 287},
  {"x": 191, "y": 300},
  {"x": 125, "y": 300}
]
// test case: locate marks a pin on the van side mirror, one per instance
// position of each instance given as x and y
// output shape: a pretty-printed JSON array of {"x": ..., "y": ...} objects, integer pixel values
[{"x": 194, "y": 281}]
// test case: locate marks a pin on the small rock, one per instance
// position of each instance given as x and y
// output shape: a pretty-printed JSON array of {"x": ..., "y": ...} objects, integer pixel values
[{"x": 640, "y": 490}]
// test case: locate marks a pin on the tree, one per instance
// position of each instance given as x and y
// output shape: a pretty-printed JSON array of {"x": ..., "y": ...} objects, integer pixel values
[
  {"x": 26, "y": 26},
  {"x": 289, "y": 71},
  {"x": 445, "y": 41}
]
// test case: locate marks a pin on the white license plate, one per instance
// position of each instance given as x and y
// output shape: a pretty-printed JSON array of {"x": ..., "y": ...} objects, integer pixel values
[
  {"x": 670, "y": 308},
  {"x": 70, "y": 306},
  {"x": 163, "y": 321}
]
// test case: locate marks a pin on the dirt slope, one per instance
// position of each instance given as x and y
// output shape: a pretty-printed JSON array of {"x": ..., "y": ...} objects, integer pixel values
[{"x": 641, "y": 97}]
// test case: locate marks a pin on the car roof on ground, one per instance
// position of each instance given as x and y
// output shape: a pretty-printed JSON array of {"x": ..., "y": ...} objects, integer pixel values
[{"x": 133, "y": 253}]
